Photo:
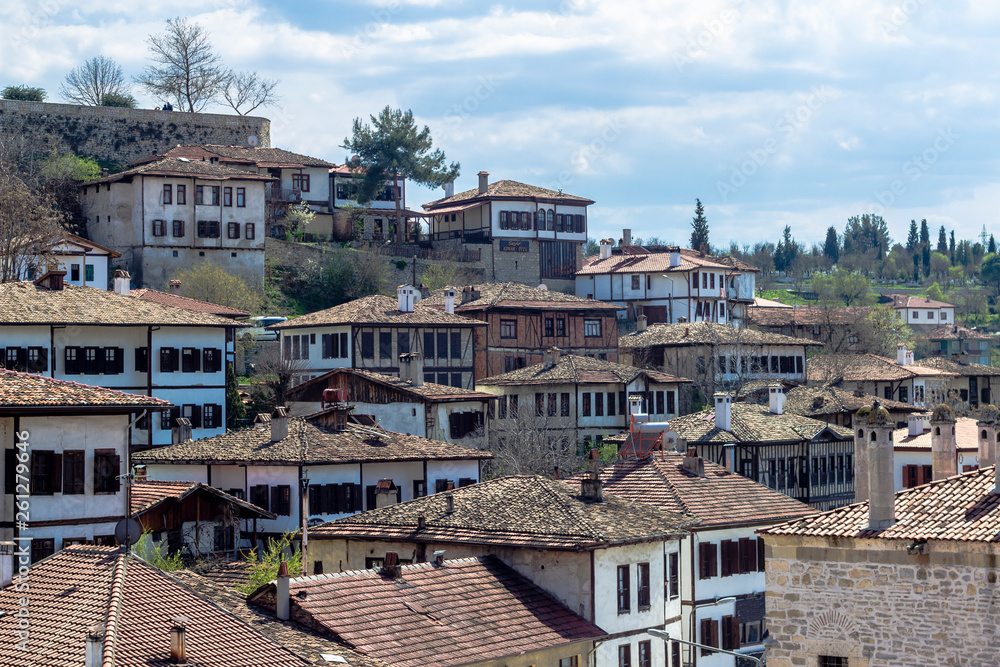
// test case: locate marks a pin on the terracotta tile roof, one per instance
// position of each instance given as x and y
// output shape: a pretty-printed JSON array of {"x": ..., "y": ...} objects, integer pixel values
[
  {"x": 518, "y": 296},
  {"x": 145, "y": 495},
  {"x": 82, "y": 586},
  {"x": 429, "y": 391},
  {"x": 28, "y": 391},
  {"x": 718, "y": 499},
  {"x": 298, "y": 639},
  {"x": 907, "y": 301},
  {"x": 171, "y": 166},
  {"x": 825, "y": 368},
  {"x": 259, "y": 156},
  {"x": 506, "y": 189},
  {"x": 178, "y": 301},
  {"x": 309, "y": 443},
  {"x": 27, "y": 303},
  {"x": 961, "y": 508},
  {"x": 646, "y": 262},
  {"x": 955, "y": 332},
  {"x": 377, "y": 309},
  {"x": 755, "y": 423},
  {"x": 828, "y": 400},
  {"x": 574, "y": 369},
  {"x": 706, "y": 333},
  {"x": 966, "y": 437},
  {"x": 221, "y": 574},
  {"x": 758, "y": 302},
  {"x": 808, "y": 315},
  {"x": 463, "y": 611},
  {"x": 959, "y": 368},
  {"x": 517, "y": 511}
]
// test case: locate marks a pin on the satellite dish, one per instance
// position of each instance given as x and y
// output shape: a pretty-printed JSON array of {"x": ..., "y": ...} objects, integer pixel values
[
  {"x": 543, "y": 287},
  {"x": 128, "y": 532},
  {"x": 252, "y": 141}
]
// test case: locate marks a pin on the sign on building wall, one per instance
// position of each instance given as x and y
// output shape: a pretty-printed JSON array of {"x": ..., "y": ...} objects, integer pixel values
[{"x": 515, "y": 246}]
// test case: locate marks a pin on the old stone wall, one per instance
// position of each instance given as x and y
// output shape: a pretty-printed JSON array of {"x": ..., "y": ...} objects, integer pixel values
[
  {"x": 880, "y": 606},
  {"x": 123, "y": 135}
]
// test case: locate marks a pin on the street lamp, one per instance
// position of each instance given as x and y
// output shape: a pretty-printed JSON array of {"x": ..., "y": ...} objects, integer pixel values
[{"x": 665, "y": 636}]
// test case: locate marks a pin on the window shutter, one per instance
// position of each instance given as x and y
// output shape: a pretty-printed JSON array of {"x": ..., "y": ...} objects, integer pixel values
[
  {"x": 340, "y": 498},
  {"x": 57, "y": 472},
  {"x": 275, "y": 499},
  {"x": 43, "y": 359},
  {"x": 9, "y": 469},
  {"x": 218, "y": 416},
  {"x": 119, "y": 360},
  {"x": 748, "y": 554},
  {"x": 314, "y": 503},
  {"x": 356, "y": 497},
  {"x": 760, "y": 554},
  {"x": 195, "y": 416},
  {"x": 116, "y": 468},
  {"x": 727, "y": 567}
]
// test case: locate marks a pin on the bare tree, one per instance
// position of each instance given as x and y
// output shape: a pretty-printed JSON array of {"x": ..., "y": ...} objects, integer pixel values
[
  {"x": 184, "y": 68},
  {"x": 527, "y": 443},
  {"x": 249, "y": 89},
  {"x": 277, "y": 373},
  {"x": 27, "y": 221},
  {"x": 91, "y": 81}
]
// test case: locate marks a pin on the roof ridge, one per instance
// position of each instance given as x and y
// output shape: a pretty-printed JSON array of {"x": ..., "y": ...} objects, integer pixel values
[
  {"x": 577, "y": 520},
  {"x": 670, "y": 486},
  {"x": 112, "y": 621}
]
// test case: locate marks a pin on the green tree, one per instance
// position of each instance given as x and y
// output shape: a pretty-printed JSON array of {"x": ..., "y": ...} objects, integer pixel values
[
  {"x": 208, "y": 282},
  {"x": 121, "y": 100},
  {"x": 699, "y": 228},
  {"x": 264, "y": 569},
  {"x": 60, "y": 175},
  {"x": 831, "y": 248},
  {"x": 925, "y": 233},
  {"x": 939, "y": 264},
  {"x": 392, "y": 148},
  {"x": 592, "y": 248},
  {"x": 787, "y": 251},
  {"x": 942, "y": 244},
  {"x": 951, "y": 246},
  {"x": 842, "y": 287},
  {"x": 23, "y": 93},
  {"x": 236, "y": 411},
  {"x": 912, "y": 239},
  {"x": 880, "y": 331},
  {"x": 439, "y": 275},
  {"x": 989, "y": 271},
  {"x": 183, "y": 66},
  {"x": 92, "y": 81},
  {"x": 297, "y": 219},
  {"x": 935, "y": 292},
  {"x": 992, "y": 247},
  {"x": 156, "y": 554}
]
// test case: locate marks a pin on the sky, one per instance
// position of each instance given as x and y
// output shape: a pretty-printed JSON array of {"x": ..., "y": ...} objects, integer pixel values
[{"x": 772, "y": 112}]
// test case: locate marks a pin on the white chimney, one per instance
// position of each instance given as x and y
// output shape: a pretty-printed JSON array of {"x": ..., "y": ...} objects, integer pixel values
[
  {"x": 640, "y": 323},
  {"x": 178, "y": 645},
  {"x": 282, "y": 598},
  {"x": 606, "y": 245},
  {"x": 675, "y": 256},
  {"x": 776, "y": 400},
  {"x": 944, "y": 450},
  {"x": 723, "y": 412},
  {"x": 901, "y": 354},
  {"x": 94, "y": 656},
  {"x": 626, "y": 237},
  {"x": 449, "y": 300},
  {"x": 484, "y": 182},
  {"x": 909, "y": 358},
  {"x": 449, "y": 189},
  {"x": 404, "y": 295},
  {"x": 123, "y": 282},
  {"x": 6, "y": 563},
  {"x": 987, "y": 427},
  {"x": 915, "y": 424},
  {"x": 635, "y": 404},
  {"x": 730, "y": 450},
  {"x": 279, "y": 424}
]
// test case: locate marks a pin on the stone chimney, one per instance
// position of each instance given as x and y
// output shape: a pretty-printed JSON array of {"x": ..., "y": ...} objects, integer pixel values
[
  {"x": 723, "y": 412},
  {"x": 449, "y": 300},
  {"x": 123, "y": 282},
  {"x": 915, "y": 425},
  {"x": 776, "y": 400},
  {"x": 178, "y": 645},
  {"x": 174, "y": 287},
  {"x": 606, "y": 245},
  {"x": 180, "y": 431},
  {"x": 449, "y": 189},
  {"x": 469, "y": 293},
  {"x": 279, "y": 424},
  {"x": 989, "y": 417},
  {"x": 449, "y": 504},
  {"x": 640, "y": 323},
  {"x": 901, "y": 354},
  {"x": 283, "y": 603},
  {"x": 94, "y": 656},
  {"x": 944, "y": 450},
  {"x": 590, "y": 485},
  {"x": 626, "y": 237},
  {"x": 675, "y": 256},
  {"x": 874, "y": 477},
  {"x": 693, "y": 463},
  {"x": 410, "y": 369},
  {"x": 484, "y": 182},
  {"x": 390, "y": 565},
  {"x": 551, "y": 357},
  {"x": 405, "y": 298}
]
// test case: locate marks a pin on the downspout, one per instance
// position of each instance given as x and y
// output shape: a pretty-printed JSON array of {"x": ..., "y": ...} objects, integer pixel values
[
  {"x": 52, "y": 351},
  {"x": 691, "y": 652}
]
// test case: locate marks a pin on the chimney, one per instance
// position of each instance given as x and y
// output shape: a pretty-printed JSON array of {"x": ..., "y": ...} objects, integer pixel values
[
  {"x": 181, "y": 431},
  {"x": 776, "y": 400},
  {"x": 626, "y": 237},
  {"x": 139, "y": 473},
  {"x": 551, "y": 357},
  {"x": 95, "y": 646},
  {"x": 915, "y": 425},
  {"x": 555, "y": 473},
  {"x": 449, "y": 189},
  {"x": 944, "y": 452},
  {"x": 390, "y": 565},
  {"x": 874, "y": 428},
  {"x": 449, "y": 504},
  {"x": 174, "y": 287},
  {"x": 694, "y": 463},
  {"x": 105, "y": 172},
  {"x": 178, "y": 649},
  {"x": 282, "y": 603},
  {"x": 640, "y": 323},
  {"x": 590, "y": 484},
  {"x": 279, "y": 424},
  {"x": 723, "y": 412},
  {"x": 909, "y": 358},
  {"x": 987, "y": 427},
  {"x": 606, "y": 245},
  {"x": 123, "y": 282},
  {"x": 404, "y": 295},
  {"x": 901, "y": 354},
  {"x": 421, "y": 522},
  {"x": 52, "y": 280},
  {"x": 730, "y": 450},
  {"x": 484, "y": 182},
  {"x": 449, "y": 300},
  {"x": 635, "y": 404},
  {"x": 439, "y": 557},
  {"x": 675, "y": 256},
  {"x": 6, "y": 563},
  {"x": 410, "y": 369}
]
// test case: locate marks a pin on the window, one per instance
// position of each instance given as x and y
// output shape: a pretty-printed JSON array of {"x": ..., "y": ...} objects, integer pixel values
[
  {"x": 190, "y": 360},
  {"x": 572, "y": 661},
  {"x": 624, "y": 590},
  {"x": 215, "y": 195},
  {"x": 636, "y": 282},
  {"x": 833, "y": 661},
  {"x": 551, "y": 405},
  {"x": 671, "y": 403},
  {"x": 385, "y": 345},
  {"x": 642, "y": 585},
  {"x": 704, "y": 281},
  {"x": 539, "y": 404},
  {"x": 211, "y": 359},
  {"x": 259, "y": 495},
  {"x": 564, "y": 404},
  {"x": 181, "y": 195},
  {"x": 38, "y": 360},
  {"x": 586, "y": 404},
  {"x": 45, "y": 472},
  {"x": 549, "y": 327},
  {"x": 694, "y": 280},
  {"x": 645, "y": 654},
  {"x": 178, "y": 228},
  {"x": 300, "y": 182},
  {"x": 675, "y": 654},
  {"x": 233, "y": 230},
  {"x": 241, "y": 197},
  {"x": 598, "y": 404},
  {"x": 456, "y": 346},
  {"x": 168, "y": 359},
  {"x": 560, "y": 327},
  {"x": 557, "y": 259},
  {"x": 212, "y": 415},
  {"x": 250, "y": 231},
  {"x": 625, "y": 655},
  {"x": 159, "y": 229},
  {"x": 227, "y": 196},
  {"x": 442, "y": 346},
  {"x": 508, "y": 328},
  {"x": 168, "y": 194},
  {"x": 461, "y": 424},
  {"x": 709, "y": 635},
  {"x": 107, "y": 467},
  {"x": 199, "y": 195},
  {"x": 367, "y": 345},
  {"x": 708, "y": 560},
  {"x": 224, "y": 538},
  {"x": 42, "y": 548},
  {"x": 673, "y": 576},
  {"x": 730, "y": 633},
  {"x": 916, "y": 475},
  {"x": 592, "y": 328},
  {"x": 281, "y": 500},
  {"x": 513, "y": 406}
]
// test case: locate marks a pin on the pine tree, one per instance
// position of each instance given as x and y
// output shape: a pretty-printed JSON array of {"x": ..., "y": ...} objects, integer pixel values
[
  {"x": 925, "y": 234},
  {"x": 942, "y": 246},
  {"x": 992, "y": 248},
  {"x": 951, "y": 246},
  {"x": 831, "y": 248},
  {"x": 699, "y": 228},
  {"x": 912, "y": 239}
]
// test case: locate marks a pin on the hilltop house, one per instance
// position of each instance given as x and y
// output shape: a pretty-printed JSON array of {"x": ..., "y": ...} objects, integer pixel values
[
  {"x": 87, "y": 264},
  {"x": 523, "y": 322},
  {"x": 526, "y": 233},
  {"x": 960, "y": 344},
  {"x": 376, "y": 219},
  {"x": 921, "y": 313},
  {"x": 839, "y": 328},
  {"x": 971, "y": 385}
]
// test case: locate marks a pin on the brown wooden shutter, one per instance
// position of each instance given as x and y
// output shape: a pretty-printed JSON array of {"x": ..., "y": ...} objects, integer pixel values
[
  {"x": 9, "y": 469},
  {"x": 57, "y": 473},
  {"x": 760, "y": 554},
  {"x": 727, "y": 560},
  {"x": 730, "y": 633}
]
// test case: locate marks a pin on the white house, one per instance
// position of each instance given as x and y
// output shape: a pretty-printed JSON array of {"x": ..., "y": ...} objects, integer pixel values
[
  {"x": 603, "y": 557},
  {"x": 65, "y": 445},
  {"x": 172, "y": 214},
  {"x": 965, "y": 439},
  {"x": 112, "y": 340},
  {"x": 86, "y": 263},
  {"x": 350, "y": 468},
  {"x": 921, "y": 312},
  {"x": 668, "y": 286}
]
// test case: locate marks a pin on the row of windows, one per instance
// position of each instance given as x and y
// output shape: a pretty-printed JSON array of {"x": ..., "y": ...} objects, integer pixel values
[
  {"x": 556, "y": 327},
  {"x": 435, "y": 344},
  {"x": 592, "y": 404},
  {"x": 200, "y": 416},
  {"x": 759, "y": 364},
  {"x": 645, "y": 654},
  {"x": 795, "y": 471},
  {"x": 350, "y": 191},
  {"x": 544, "y": 220},
  {"x": 707, "y": 280},
  {"x": 738, "y": 557},
  {"x": 74, "y": 272},
  {"x": 200, "y": 192},
  {"x": 207, "y": 229},
  {"x": 930, "y": 315},
  {"x": 25, "y": 359},
  {"x": 710, "y": 310},
  {"x": 625, "y": 587},
  {"x": 52, "y": 472}
]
